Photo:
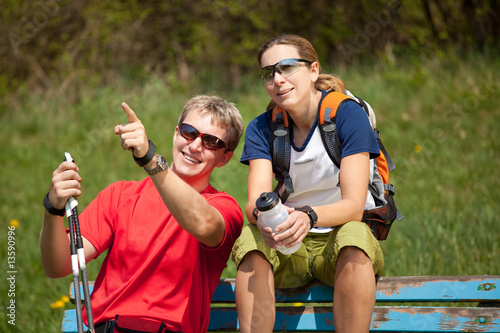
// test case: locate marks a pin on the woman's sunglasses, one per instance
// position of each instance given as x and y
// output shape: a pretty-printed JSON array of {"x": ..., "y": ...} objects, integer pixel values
[
  {"x": 285, "y": 68},
  {"x": 208, "y": 141}
]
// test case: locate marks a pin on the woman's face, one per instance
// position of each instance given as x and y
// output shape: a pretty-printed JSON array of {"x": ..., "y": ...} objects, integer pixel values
[{"x": 289, "y": 91}]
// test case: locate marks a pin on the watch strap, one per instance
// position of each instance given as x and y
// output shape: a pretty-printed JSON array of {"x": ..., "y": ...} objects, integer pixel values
[
  {"x": 313, "y": 217},
  {"x": 161, "y": 164},
  {"x": 148, "y": 157}
]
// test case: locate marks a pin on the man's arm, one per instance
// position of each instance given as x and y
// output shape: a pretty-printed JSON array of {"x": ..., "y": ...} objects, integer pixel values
[
  {"x": 193, "y": 213},
  {"x": 187, "y": 205},
  {"x": 54, "y": 241}
]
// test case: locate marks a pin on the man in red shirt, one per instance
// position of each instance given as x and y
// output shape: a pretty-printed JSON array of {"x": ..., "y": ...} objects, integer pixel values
[{"x": 167, "y": 237}]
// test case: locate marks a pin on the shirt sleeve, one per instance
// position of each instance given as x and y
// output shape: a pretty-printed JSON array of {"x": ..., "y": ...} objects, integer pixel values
[
  {"x": 355, "y": 132},
  {"x": 96, "y": 221},
  {"x": 257, "y": 136},
  {"x": 233, "y": 218}
]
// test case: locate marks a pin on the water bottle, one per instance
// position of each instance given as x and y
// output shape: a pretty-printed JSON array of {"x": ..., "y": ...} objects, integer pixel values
[{"x": 273, "y": 213}]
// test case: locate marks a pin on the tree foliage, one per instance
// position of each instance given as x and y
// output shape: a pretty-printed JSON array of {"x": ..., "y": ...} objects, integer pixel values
[{"x": 65, "y": 44}]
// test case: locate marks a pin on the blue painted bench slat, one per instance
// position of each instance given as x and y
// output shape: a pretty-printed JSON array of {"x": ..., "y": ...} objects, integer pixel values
[
  {"x": 390, "y": 289},
  {"x": 385, "y": 319},
  {"x": 303, "y": 309}
]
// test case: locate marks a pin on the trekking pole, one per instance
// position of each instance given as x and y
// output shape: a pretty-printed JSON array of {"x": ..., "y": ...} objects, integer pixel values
[
  {"x": 73, "y": 205},
  {"x": 74, "y": 264}
]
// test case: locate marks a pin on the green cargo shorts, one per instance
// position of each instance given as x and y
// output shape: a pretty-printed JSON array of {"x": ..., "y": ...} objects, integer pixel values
[{"x": 317, "y": 256}]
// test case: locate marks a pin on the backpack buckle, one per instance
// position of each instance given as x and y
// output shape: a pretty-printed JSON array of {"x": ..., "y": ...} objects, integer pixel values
[
  {"x": 328, "y": 125},
  {"x": 280, "y": 126}
]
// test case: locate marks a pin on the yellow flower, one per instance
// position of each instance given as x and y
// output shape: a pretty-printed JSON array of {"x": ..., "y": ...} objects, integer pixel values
[
  {"x": 65, "y": 299},
  {"x": 417, "y": 148},
  {"x": 57, "y": 304},
  {"x": 14, "y": 223}
]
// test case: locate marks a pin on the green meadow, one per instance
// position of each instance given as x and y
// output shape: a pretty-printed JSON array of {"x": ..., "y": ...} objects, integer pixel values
[{"x": 439, "y": 117}]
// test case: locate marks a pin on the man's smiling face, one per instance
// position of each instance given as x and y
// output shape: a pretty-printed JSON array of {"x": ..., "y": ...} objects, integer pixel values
[{"x": 192, "y": 162}]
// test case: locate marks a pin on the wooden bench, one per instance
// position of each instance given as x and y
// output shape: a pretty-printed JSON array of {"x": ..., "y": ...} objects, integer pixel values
[{"x": 404, "y": 304}]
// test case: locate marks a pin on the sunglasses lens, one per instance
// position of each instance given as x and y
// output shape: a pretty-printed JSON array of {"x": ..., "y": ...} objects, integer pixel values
[
  {"x": 267, "y": 73},
  {"x": 208, "y": 141},
  {"x": 189, "y": 132},
  {"x": 285, "y": 68},
  {"x": 212, "y": 142}
]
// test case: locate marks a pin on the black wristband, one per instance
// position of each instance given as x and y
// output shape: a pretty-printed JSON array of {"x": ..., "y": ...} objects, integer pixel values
[
  {"x": 313, "y": 217},
  {"x": 50, "y": 209},
  {"x": 148, "y": 157}
]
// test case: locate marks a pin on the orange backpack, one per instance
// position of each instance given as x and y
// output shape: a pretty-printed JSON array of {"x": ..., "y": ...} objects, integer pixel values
[{"x": 381, "y": 217}]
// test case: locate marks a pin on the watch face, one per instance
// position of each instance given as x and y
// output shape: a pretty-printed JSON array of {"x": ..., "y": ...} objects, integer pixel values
[{"x": 161, "y": 164}]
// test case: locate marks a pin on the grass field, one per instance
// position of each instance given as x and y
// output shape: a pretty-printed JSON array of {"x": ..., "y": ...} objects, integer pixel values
[{"x": 439, "y": 120}]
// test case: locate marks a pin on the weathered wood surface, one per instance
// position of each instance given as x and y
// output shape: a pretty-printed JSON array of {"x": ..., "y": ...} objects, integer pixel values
[
  {"x": 309, "y": 308},
  {"x": 385, "y": 319},
  {"x": 392, "y": 289}
]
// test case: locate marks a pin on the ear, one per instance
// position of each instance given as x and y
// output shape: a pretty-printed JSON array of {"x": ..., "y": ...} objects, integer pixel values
[
  {"x": 176, "y": 134},
  {"x": 225, "y": 158},
  {"x": 314, "y": 71}
]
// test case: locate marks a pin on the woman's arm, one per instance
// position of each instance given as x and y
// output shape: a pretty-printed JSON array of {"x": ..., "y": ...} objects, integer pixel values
[
  {"x": 354, "y": 178},
  {"x": 260, "y": 179}
]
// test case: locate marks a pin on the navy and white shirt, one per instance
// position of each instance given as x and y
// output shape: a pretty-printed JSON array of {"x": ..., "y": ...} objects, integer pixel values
[{"x": 315, "y": 177}]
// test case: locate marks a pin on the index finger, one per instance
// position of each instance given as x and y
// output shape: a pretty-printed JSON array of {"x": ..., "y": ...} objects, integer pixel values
[{"x": 132, "y": 118}]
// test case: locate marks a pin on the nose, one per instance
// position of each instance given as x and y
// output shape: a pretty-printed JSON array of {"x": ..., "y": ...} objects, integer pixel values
[
  {"x": 277, "y": 77},
  {"x": 196, "y": 144}
]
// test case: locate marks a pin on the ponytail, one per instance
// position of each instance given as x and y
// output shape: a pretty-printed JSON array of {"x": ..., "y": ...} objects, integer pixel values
[{"x": 329, "y": 83}]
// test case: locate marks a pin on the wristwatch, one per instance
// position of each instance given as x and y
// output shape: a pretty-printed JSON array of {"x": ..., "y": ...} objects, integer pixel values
[
  {"x": 313, "y": 217},
  {"x": 161, "y": 165}
]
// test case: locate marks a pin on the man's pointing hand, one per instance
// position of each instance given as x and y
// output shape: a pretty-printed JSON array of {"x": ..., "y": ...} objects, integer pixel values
[{"x": 132, "y": 135}]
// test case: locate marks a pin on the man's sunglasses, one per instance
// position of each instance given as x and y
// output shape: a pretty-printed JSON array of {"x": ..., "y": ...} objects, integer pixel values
[
  {"x": 285, "y": 68},
  {"x": 208, "y": 141}
]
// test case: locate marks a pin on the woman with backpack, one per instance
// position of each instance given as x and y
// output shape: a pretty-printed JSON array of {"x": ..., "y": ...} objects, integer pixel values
[{"x": 337, "y": 248}]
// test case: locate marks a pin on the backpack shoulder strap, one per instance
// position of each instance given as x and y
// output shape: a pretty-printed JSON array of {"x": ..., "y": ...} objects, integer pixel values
[
  {"x": 280, "y": 139},
  {"x": 327, "y": 115},
  {"x": 373, "y": 122},
  {"x": 281, "y": 151}
]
